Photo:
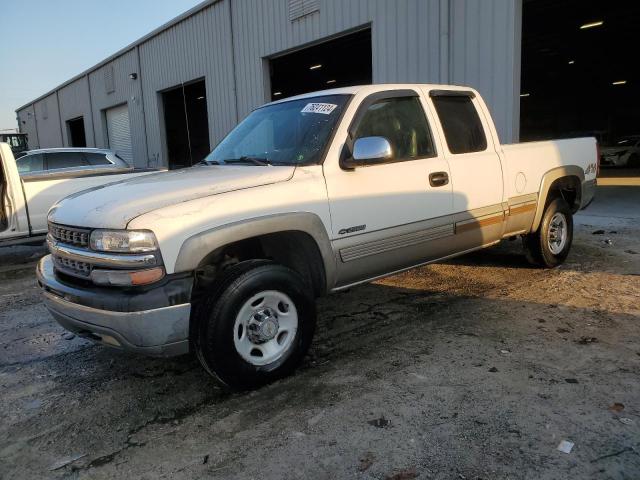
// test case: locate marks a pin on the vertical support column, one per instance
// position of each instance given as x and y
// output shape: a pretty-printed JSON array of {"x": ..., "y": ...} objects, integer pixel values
[{"x": 445, "y": 61}]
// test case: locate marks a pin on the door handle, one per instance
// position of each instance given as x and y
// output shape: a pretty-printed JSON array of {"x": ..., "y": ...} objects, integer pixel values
[{"x": 438, "y": 179}]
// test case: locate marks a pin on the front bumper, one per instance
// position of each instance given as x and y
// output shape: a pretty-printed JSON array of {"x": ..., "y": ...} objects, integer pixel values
[{"x": 152, "y": 321}]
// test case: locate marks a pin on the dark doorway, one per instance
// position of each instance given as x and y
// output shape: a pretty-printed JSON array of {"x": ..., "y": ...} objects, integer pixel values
[
  {"x": 579, "y": 74},
  {"x": 341, "y": 62},
  {"x": 186, "y": 124},
  {"x": 77, "y": 137}
]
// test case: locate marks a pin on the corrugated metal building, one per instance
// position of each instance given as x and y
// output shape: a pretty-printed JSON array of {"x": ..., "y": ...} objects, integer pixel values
[{"x": 178, "y": 90}]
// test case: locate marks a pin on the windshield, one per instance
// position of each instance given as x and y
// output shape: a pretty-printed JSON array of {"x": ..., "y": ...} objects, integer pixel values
[{"x": 288, "y": 133}]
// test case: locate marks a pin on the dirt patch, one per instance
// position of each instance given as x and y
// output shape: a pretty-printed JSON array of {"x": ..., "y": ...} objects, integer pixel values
[{"x": 476, "y": 368}]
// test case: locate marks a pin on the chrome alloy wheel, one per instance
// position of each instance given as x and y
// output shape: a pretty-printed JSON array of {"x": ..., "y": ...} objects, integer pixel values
[
  {"x": 265, "y": 327},
  {"x": 557, "y": 235}
]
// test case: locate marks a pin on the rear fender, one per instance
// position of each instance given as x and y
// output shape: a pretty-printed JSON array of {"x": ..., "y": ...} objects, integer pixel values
[{"x": 547, "y": 181}]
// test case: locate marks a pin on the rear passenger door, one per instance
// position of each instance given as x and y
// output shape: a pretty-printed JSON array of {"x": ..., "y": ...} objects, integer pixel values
[{"x": 476, "y": 170}]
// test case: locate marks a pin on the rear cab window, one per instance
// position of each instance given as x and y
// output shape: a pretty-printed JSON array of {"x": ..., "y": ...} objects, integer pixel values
[{"x": 460, "y": 122}]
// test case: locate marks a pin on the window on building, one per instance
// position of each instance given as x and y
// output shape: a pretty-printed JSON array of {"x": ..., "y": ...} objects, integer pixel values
[
  {"x": 402, "y": 122},
  {"x": 461, "y": 123}
]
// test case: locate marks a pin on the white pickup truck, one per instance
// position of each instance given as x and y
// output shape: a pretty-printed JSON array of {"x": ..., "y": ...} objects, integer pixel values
[
  {"x": 306, "y": 196},
  {"x": 32, "y": 184}
]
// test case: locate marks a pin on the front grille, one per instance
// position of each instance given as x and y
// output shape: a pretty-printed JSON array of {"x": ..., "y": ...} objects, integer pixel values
[
  {"x": 72, "y": 267},
  {"x": 78, "y": 237}
]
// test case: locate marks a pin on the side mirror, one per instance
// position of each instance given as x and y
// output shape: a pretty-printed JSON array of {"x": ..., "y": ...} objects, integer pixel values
[{"x": 368, "y": 151}]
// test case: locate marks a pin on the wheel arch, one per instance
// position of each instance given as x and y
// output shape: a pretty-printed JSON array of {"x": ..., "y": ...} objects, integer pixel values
[
  {"x": 565, "y": 182},
  {"x": 298, "y": 240}
]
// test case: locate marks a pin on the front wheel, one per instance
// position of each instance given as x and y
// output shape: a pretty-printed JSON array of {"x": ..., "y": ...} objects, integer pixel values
[
  {"x": 256, "y": 326},
  {"x": 549, "y": 246}
]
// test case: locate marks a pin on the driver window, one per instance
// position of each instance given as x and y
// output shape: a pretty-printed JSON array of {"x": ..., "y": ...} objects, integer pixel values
[{"x": 402, "y": 122}]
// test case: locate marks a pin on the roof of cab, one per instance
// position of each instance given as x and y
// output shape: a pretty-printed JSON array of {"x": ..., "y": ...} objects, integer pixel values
[
  {"x": 71, "y": 150},
  {"x": 373, "y": 88}
]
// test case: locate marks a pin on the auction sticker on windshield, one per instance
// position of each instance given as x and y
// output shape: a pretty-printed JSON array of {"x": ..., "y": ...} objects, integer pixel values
[{"x": 324, "y": 108}]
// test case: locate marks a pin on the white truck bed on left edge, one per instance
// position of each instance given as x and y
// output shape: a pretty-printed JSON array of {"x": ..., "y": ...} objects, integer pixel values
[{"x": 24, "y": 204}]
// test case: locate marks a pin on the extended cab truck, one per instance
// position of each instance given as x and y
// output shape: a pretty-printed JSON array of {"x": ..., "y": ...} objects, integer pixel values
[
  {"x": 308, "y": 195},
  {"x": 30, "y": 185}
]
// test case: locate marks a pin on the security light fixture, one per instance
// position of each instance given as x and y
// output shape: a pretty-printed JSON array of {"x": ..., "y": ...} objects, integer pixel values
[
  {"x": 584, "y": 26},
  {"x": 571, "y": 62},
  {"x": 619, "y": 82},
  {"x": 330, "y": 81},
  {"x": 200, "y": 98},
  {"x": 315, "y": 67},
  {"x": 524, "y": 94},
  {"x": 133, "y": 76},
  {"x": 275, "y": 94}
]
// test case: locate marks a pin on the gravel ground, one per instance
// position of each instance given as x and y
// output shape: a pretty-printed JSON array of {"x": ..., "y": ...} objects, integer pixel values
[{"x": 473, "y": 369}]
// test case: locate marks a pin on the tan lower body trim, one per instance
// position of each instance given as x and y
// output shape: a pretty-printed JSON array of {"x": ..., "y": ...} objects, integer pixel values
[{"x": 462, "y": 227}]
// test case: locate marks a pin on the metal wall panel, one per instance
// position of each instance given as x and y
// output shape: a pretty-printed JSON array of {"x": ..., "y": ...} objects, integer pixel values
[
  {"x": 485, "y": 53},
  {"x": 229, "y": 42},
  {"x": 427, "y": 41},
  {"x": 27, "y": 124},
  {"x": 74, "y": 103},
  {"x": 198, "y": 47},
  {"x": 126, "y": 90},
  {"x": 48, "y": 121}
]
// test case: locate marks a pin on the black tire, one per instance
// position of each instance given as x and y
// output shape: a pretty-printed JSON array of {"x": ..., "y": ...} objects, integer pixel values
[
  {"x": 536, "y": 245},
  {"x": 634, "y": 161},
  {"x": 215, "y": 317}
]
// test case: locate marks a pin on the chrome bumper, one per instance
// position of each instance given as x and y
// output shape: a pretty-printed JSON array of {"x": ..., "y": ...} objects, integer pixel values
[{"x": 160, "y": 331}]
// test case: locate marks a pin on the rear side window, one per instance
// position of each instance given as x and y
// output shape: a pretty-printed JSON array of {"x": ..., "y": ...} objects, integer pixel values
[
  {"x": 461, "y": 124},
  {"x": 96, "y": 159},
  {"x": 59, "y": 160},
  {"x": 30, "y": 163},
  {"x": 402, "y": 122}
]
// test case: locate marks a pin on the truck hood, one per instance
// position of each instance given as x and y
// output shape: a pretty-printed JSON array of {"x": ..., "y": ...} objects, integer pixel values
[{"x": 114, "y": 205}]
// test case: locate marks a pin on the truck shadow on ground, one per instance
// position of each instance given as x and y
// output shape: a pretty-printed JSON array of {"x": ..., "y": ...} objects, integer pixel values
[{"x": 443, "y": 333}]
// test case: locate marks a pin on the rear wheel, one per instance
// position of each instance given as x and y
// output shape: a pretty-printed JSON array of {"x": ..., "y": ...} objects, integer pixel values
[
  {"x": 256, "y": 325},
  {"x": 550, "y": 245}
]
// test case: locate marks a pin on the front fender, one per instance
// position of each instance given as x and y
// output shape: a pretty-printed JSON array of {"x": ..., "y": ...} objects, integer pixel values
[{"x": 196, "y": 248}]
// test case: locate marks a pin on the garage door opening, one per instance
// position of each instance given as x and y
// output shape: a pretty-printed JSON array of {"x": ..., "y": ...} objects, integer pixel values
[
  {"x": 119, "y": 132},
  {"x": 186, "y": 124},
  {"x": 75, "y": 129},
  {"x": 341, "y": 62},
  {"x": 579, "y": 76}
]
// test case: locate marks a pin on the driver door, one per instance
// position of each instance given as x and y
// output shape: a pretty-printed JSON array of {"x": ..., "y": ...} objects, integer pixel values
[{"x": 392, "y": 215}]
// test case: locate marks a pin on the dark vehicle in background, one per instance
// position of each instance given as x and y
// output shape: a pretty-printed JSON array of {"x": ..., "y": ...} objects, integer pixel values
[
  {"x": 624, "y": 152},
  {"x": 17, "y": 142}
]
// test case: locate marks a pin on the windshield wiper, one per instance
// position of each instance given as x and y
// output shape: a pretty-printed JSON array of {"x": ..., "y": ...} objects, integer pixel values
[{"x": 262, "y": 162}]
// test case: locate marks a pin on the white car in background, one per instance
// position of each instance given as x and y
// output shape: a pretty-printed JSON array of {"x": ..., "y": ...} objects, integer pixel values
[
  {"x": 624, "y": 153},
  {"x": 30, "y": 185}
]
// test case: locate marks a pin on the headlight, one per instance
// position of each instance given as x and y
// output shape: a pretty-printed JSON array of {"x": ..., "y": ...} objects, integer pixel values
[{"x": 124, "y": 241}]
